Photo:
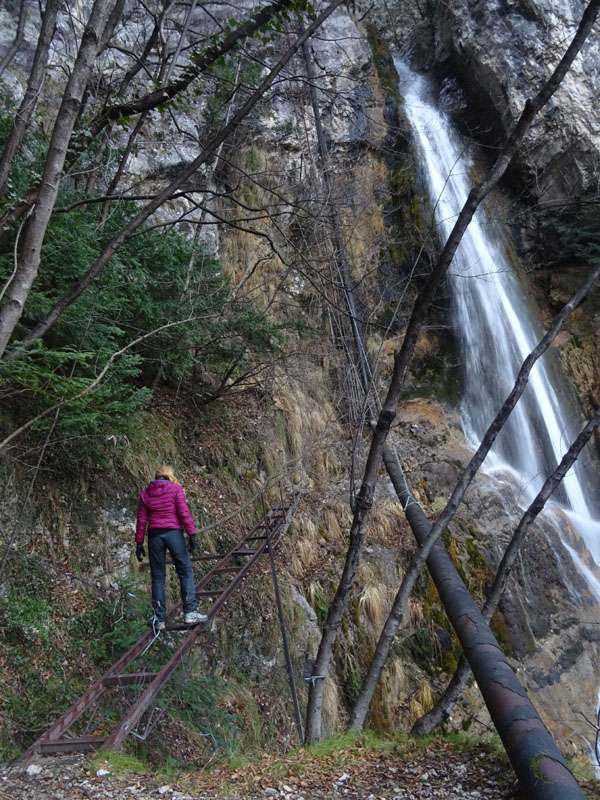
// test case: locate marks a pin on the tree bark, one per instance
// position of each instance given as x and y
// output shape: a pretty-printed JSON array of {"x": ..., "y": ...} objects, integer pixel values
[
  {"x": 427, "y": 534},
  {"x": 138, "y": 219},
  {"x": 442, "y": 708},
  {"x": 30, "y": 98},
  {"x": 37, "y": 224},
  {"x": 402, "y": 361}
]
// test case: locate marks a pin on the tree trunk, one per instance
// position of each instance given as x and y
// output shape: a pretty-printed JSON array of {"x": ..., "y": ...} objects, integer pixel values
[
  {"x": 36, "y": 226},
  {"x": 199, "y": 62},
  {"x": 402, "y": 361},
  {"x": 30, "y": 98},
  {"x": 362, "y": 506},
  {"x": 426, "y": 534},
  {"x": 542, "y": 772},
  {"x": 446, "y": 702},
  {"x": 148, "y": 102},
  {"x": 441, "y": 710},
  {"x": 421, "y": 528},
  {"x": 127, "y": 78},
  {"x": 121, "y": 237},
  {"x": 121, "y": 167}
]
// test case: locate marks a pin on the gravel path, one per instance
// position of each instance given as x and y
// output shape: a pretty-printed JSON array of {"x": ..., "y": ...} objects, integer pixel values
[
  {"x": 438, "y": 770},
  {"x": 366, "y": 776}
]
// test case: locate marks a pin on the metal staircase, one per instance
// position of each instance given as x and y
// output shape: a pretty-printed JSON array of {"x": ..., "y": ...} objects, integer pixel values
[{"x": 218, "y": 584}]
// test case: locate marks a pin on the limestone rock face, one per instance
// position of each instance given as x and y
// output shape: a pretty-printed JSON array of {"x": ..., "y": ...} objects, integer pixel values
[
  {"x": 504, "y": 50},
  {"x": 342, "y": 52},
  {"x": 549, "y": 612}
]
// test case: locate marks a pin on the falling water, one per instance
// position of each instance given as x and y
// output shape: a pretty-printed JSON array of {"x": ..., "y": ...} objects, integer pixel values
[{"x": 497, "y": 328}]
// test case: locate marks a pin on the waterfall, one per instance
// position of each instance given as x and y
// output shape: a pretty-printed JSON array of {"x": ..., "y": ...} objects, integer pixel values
[{"x": 497, "y": 326}]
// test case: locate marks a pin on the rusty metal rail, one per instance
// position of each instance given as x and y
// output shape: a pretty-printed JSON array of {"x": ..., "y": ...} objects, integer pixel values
[{"x": 58, "y": 739}]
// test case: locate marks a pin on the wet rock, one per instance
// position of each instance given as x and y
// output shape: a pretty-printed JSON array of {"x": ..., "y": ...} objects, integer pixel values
[{"x": 501, "y": 52}]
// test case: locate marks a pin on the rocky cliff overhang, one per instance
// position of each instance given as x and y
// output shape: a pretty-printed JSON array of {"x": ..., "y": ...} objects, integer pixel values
[{"x": 503, "y": 50}]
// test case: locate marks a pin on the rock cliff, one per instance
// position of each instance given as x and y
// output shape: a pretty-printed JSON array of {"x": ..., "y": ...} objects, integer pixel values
[
  {"x": 269, "y": 183},
  {"x": 501, "y": 51}
]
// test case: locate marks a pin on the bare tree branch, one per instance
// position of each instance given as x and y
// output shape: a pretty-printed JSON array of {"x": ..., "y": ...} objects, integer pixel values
[
  {"x": 35, "y": 230},
  {"x": 91, "y": 386},
  {"x": 427, "y": 541},
  {"x": 199, "y": 64},
  {"x": 402, "y": 360},
  {"x": 138, "y": 219},
  {"x": 18, "y": 38},
  {"x": 30, "y": 98}
]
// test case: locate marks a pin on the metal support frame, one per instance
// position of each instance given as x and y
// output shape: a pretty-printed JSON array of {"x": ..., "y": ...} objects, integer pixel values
[
  {"x": 254, "y": 544},
  {"x": 286, "y": 649}
]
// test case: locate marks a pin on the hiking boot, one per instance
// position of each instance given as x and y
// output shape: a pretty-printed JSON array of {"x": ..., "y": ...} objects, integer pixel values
[
  {"x": 194, "y": 617},
  {"x": 158, "y": 625}
]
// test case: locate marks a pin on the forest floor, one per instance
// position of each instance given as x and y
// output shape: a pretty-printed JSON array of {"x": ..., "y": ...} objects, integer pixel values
[{"x": 439, "y": 769}]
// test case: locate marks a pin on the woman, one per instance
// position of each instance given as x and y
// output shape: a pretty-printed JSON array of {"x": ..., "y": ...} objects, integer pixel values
[{"x": 164, "y": 511}]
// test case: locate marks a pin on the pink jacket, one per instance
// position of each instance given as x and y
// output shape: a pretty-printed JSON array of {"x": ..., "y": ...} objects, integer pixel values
[{"x": 163, "y": 505}]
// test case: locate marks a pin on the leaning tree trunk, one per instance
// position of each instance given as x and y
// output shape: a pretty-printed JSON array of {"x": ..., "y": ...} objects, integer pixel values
[
  {"x": 442, "y": 708},
  {"x": 416, "y": 517},
  {"x": 197, "y": 65},
  {"x": 30, "y": 98},
  {"x": 362, "y": 506},
  {"x": 402, "y": 361},
  {"x": 35, "y": 228},
  {"x": 142, "y": 215}
]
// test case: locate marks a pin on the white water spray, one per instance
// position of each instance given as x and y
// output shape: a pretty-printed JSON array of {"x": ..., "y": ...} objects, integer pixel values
[{"x": 497, "y": 328}]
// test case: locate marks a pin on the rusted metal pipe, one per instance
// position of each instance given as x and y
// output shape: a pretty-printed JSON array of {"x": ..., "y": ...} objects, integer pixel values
[{"x": 538, "y": 764}]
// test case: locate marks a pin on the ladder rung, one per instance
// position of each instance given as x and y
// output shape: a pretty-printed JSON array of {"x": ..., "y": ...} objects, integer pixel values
[
  {"x": 128, "y": 678},
  {"x": 183, "y": 627},
  {"x": 205, "y": 557},
  {"x": 82, "y": 745},
  {"x": 214, "y": 593},
  {"x": 227, "y": 569},
  {"x": 243, "y": 552},
  {"x": 253, "y": 538}
]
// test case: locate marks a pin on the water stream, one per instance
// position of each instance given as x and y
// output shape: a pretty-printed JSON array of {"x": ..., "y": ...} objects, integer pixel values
[{"x": 497, "y": 326}]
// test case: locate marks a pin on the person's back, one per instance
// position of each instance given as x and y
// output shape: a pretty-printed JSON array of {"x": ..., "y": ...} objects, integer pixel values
[
  {"x": 164, "y": 513},
  {"x": 163, "y": 505}
]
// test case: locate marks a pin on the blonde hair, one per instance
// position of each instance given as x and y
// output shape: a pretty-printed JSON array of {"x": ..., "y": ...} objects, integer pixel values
[{"x": 165, "y": 471}]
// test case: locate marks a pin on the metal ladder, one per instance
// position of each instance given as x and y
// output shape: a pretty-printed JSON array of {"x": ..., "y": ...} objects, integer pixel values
[{"x": 260, "y": 540}]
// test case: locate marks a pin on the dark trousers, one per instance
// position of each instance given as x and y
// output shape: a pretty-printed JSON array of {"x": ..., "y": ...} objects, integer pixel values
[{"x": 158, "y": 544}]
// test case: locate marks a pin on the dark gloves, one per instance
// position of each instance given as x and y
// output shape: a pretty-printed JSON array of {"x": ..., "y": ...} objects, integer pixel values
[
  {"x": 139, "y": 551},
  {"x": 191, "y": 543}
]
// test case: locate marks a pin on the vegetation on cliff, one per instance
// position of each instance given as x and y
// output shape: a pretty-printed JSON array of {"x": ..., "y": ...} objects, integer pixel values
[{"x": 141, "y": 338}]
